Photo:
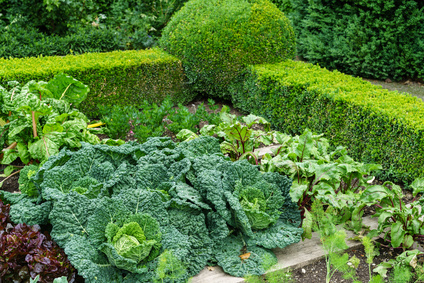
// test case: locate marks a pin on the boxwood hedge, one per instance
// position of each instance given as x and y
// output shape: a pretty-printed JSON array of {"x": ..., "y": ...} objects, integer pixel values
[
  {"x": 216, "y": 39},
  {"x": 119, "y": 77},
  {"x": 377, "y": 125}
]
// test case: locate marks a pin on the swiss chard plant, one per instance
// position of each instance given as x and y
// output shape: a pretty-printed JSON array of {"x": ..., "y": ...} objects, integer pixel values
[
  {"x": 160, "y": 211},
  {"x": 41, "y": 119}
]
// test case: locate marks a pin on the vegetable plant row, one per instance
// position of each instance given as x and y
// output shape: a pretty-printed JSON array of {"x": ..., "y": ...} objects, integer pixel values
[{"x": 160, "y": 211}]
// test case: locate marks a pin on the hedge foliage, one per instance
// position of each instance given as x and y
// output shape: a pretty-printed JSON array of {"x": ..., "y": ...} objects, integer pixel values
[
  {"x": 215, "y": 39},
  {"x": 53, "y": 27},
  {"x": 115, "y": 78},
  {"x": 377, "y": 125},
  {"x": 369, "y": 38},
  {"x": 19, "y": 42}
]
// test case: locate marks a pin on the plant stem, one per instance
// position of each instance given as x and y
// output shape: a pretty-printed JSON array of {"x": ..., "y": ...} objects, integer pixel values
[
  {"x": 45, "y": 145},
  {"x": 14, "y": 173},
  {"x": 34, "y": 125},
  {"x": 64, "y": 92},
  {"x": 12, "y": 146}
]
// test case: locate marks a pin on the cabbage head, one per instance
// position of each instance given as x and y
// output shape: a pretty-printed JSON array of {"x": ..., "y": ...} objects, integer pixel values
[
  {"x": 258, "y": 207},
  {"x": 135, "y": 241}
]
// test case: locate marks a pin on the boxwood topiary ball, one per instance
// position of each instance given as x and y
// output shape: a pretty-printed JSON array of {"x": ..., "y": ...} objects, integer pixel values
[{"x": 215, "y": 39}]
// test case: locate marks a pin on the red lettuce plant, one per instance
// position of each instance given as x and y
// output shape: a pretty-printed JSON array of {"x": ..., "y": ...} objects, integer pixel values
[{"x": 26, "y": 252}]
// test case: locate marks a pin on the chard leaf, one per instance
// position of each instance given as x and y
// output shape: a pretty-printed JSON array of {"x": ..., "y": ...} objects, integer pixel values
[
  {"x": 297, "y": 190},
  {"x": 43, "y": 148},
  {"x": 304, "y": 147},
  {"x": 417, "y": 186},
  {"x": 9, "y": 155},
  {"x": 52, "y": 128},
  {"x": 186, "y": 135},
  {"x": 23, "y": 152},
  {"x": 67, "y": 88}
]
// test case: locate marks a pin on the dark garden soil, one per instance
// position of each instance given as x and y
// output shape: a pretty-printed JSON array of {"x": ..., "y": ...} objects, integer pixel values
[
  {"x": 316, "y": 273},
  {"x": 312, "y": 273}
]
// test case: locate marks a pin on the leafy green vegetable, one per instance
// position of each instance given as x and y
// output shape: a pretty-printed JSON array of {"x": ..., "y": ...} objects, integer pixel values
[
  {"x": 42, "y": 120},
  {"x": 400, "y": 223},
  {"x": 160, "y": 211}
]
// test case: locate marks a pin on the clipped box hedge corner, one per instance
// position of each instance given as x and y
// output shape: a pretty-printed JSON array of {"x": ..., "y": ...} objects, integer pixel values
[
  {"x": 377, "y": 125},
  {"x": 119, "y": 77}
]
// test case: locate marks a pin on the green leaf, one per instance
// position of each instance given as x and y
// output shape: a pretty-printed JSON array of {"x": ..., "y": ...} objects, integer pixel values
[
  {"x": 417, "y": 186},
  {"x": 67, "y": 88},
  {"x": 307, "y": 225},
  {"x": 8, "y": 170},
  {"x": 408, "y": 241},
  {"x": 297, "y": 191},
  {"x": 52, "y": 128},
  {"x": 9, "y": 156},
  {"x": 306, "y": 142},
  {"x": 62, "y": 279},
  {"x": 23, "y": 152},
  {"x": 382, "y": 269},
  {"x": 186, "y": 135},
  {"x": 397, "y": 234},
  {"x": 251, "y": 120},
  {"x": 42, "y": 149},
  {"x": 208, "y": 130}
]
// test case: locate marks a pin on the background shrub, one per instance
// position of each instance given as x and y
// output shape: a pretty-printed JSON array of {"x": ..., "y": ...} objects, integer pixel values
[
  {"x": 370, "y": 38},
  {"x": 19, "y": 42},
  {"x": 39, "y": 27},
  {"x": 216, "y": 38}
]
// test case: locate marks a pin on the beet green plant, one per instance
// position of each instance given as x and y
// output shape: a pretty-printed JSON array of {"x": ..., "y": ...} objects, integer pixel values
[
  {"x": 239, "y": 139},
  {"x": 399, "y": 223},
  {"x": 402, "y": 267}
]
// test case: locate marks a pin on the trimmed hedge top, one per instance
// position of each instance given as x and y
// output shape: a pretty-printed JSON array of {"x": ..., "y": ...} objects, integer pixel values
[
  {"x": 216, "y": 39},
  {"x": 115, "y": 78},
  {"x": 401, "y": 106},
  {"x": 24, "y": 69}
]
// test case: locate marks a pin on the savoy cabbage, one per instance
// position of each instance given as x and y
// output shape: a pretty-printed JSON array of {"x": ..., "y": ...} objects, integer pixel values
[{"x": 160, "y": 211}]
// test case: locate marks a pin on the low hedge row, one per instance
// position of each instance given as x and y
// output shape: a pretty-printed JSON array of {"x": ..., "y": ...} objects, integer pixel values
[
  {"x": 376, "y": 125},
  {"x": 119, "y": 77}
]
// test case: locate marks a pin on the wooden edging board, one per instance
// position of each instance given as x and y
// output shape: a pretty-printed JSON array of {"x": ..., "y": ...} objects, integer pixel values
[{"x": 294, "y": 256}]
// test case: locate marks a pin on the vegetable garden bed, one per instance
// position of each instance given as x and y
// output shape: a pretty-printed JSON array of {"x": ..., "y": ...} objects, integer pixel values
[{"x": 298, "y": 273}]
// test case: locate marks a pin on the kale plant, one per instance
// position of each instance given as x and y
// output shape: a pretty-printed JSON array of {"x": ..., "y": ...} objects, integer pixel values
[{"x": 160, "y": 211}]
